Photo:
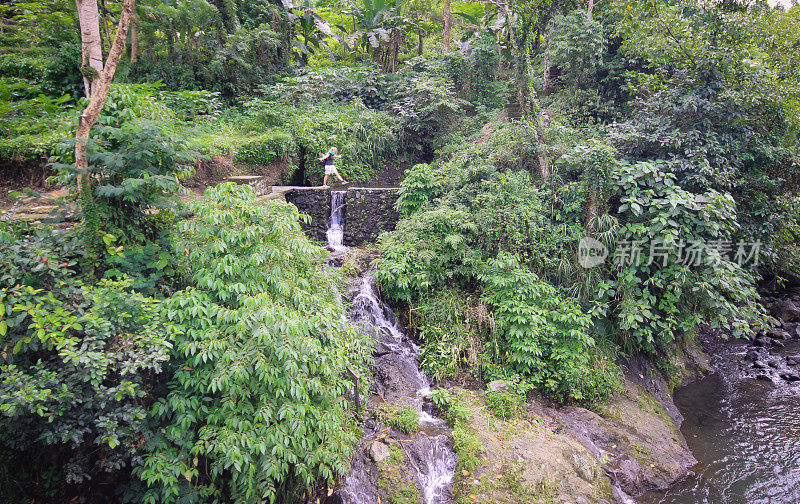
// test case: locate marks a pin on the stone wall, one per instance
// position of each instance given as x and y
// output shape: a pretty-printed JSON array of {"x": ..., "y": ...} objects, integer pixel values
[
  {"x": 315, "y": 202},
  {"x": 368, "y": 211}
]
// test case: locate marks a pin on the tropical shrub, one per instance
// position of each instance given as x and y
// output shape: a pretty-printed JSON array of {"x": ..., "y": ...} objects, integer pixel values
[
  {"x": 79, "y": 364},
  {"x": 543, "y": 335},
  {"x": 255, "y": 410},
  {"x": 136, "y": 168},
  {"x": 418, "y": 187},
  {"x": 677, "y": 263},
  {"x": 365, "y": 138}
]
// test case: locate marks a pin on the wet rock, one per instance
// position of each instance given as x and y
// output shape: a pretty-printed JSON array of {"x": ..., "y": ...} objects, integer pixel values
[
  {"x": 779, "y": 334},
  {"x": 790, "y": 376},
  {"x": 378, "y": 451},
  {"x": 381, "y": 349},
  {"x": 759, "y": 364},
  {"x": 793, "y": 360},
  {"x": 778, "y": 344},
  {"x": 751, "y": 356},
  {"x": 761, "y": 341},
  {"x": 498, "y": 386},
  {"x": 785, "y": 310},
  {"x": 585, "y": 468},
  {"x": 764, "y": 377},
  {"x": 774, "y": 364}
]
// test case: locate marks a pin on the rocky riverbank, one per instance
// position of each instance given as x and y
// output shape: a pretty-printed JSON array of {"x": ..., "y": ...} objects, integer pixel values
[
  {"x": 765, "y": 358},
  {"x": 576, "y": 455}
]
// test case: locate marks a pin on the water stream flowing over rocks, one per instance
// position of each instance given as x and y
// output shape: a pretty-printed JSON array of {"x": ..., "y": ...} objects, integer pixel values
[{"x": 398, "y": 380}]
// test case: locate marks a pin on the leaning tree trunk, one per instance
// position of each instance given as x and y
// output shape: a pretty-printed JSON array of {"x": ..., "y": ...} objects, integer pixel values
[
  {"x": 448, "y": 19},
  {"x": 91, "y": 44},
  {"x": 89, "y": 116}
]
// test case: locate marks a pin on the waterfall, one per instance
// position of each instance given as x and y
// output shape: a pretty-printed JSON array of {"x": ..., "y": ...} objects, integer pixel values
[
  {"x": 398, "y": 378},
  {"x": 335, "y": 232}
]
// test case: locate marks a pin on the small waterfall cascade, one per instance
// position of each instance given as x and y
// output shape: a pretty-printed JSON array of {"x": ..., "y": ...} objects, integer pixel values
[
  {"x": 399, "y": 379},
  {"x": 335, "y": 232}
]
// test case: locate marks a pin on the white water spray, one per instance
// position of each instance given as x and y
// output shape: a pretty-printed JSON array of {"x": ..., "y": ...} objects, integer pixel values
[{"x": 335, "y": 232}]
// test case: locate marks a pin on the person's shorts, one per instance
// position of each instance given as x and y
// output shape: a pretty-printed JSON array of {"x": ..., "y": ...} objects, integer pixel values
[{"x": 330, "y": 170}]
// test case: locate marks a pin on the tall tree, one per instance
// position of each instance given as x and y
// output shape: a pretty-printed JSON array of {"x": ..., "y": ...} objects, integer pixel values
[
  {"x": 91, "y": 44},
  {"x": 448, "y": 19},
  {"x": 99, "y": 86}
]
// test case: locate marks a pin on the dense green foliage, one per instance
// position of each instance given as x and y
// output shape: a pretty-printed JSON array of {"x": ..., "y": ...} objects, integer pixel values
[
  {"x": 255, "y": 409},
  {"x": 165, "y": 350},
  {"x": 79, "y": 363}
]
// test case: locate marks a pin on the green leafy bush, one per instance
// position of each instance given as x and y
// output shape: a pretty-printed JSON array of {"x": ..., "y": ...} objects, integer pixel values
[
  {"x": 255, "y": 410},
  {"x": 274, "y": 145},
  {"x": 136, "y": 170},
  {"x": 655, "y": 302},
  {"x": 365, "y": 138},
  {"x": 419, "y": 186},
  {"x": 504, "y": 404},
  {"x": 79, "y": 365},
  {"x": 544, "y": 336}
]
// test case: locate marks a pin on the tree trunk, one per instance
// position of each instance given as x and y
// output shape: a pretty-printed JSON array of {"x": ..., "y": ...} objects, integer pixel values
[
  {"x": 546, "y": 76},
  {"x": 134, "y": 39},
  {"x": 89, "y": 116},
  {"x": 104, "y": 21},
  {"x": 589, "y": 10},
  {"x": 544, "y": 162},
  {"x": 91, "y": 45},
  {"x": 448, "y": 17},
  {"x": 419, "y": 46}
]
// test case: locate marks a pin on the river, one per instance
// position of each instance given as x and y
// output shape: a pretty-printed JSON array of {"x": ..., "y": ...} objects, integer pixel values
[{"x": 744, "y": 432}]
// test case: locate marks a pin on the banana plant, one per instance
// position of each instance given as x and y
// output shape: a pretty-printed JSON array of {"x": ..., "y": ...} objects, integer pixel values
[
  {"x": 376, "y": 20},
  {"x": 311, "y": 29}
]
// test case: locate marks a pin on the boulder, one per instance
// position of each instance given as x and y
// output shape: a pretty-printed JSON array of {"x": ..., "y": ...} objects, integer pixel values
[
  {"x": 785, "y": 310},
  {"x": 751, "y": 356},
  {"x": 378, "y": 451},
  {"x": 759, "y": 364},
  {"x": 761, "y": 341},
  {"x": 778, "y": 343},
  {"x": 763, "y": 377},
  {"x": 498, "y": 386},
  {"x": 793, "y": 360},
  {"x": 778, "y": 334},
  {"x": 790, "y": 376}
]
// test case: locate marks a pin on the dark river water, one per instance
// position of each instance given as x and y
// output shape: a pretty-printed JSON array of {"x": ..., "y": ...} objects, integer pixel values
[{"x": 745, "y": 433}]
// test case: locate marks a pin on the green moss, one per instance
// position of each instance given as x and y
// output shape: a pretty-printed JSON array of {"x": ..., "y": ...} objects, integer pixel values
[
  {"x": 641, "y": 453},
  {"x": 512, "y": 479}
]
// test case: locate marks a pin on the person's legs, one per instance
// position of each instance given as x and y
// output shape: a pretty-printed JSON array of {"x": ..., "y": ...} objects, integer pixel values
[
  {"x": 339, "y": 176},
  {"x": 325, "y": 180}
]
